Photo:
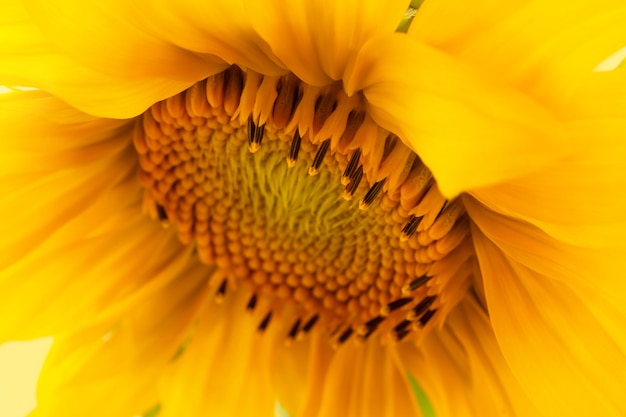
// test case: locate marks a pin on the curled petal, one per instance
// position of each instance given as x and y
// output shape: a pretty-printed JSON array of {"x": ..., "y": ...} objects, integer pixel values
[
  {"x": 576, "y": 200},
  {"x": 469, "y": 131}
]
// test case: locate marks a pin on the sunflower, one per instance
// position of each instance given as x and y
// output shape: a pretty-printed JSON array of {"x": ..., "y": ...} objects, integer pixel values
[{"x": 214, "y": 206}]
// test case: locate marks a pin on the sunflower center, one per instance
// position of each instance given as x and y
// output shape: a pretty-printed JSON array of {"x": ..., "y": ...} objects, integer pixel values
[{"x": 294, "y": 191}]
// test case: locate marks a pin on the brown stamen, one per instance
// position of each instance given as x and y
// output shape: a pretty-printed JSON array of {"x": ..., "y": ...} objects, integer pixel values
[
  {"x": 415, "y": 284},
  {"x": 426, "y": 317},
  {"x": 221, "y": 292},
  {"x": 319, "y": 157},
  {"x": 265, "y": 322},
  {"x": 421, "y": 307},
  {"x": 251, "y": 303},
  {"x": 309, "y": 324},
  {"x": 351, "y": 167},
  {"x": 353, "y": 185},
  {"x": 294, "y": 150},
  {"x": 371, "y": 194}
]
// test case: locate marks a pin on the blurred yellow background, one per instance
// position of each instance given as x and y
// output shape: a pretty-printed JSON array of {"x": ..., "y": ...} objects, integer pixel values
[{"x": 20, "y": 364}]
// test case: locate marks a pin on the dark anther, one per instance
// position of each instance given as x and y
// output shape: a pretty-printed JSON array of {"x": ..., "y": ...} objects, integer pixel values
[
  {"x": 255, "y": 135},
  {"x": 251, "y": 130},
  {"x": 251, "y": 303},
  {"x": 222, "y": 288},
  {"x": 345, "y": 335},
  {"x": 373, "y": 323},
  {"x": 221, "y": 292},
  {"x": 355, "y": 180},
  {"x": 258, "y": 134},
  {"x": 309, "y": 324},
  {"x": 319, "y": 157},
  {"x": 396, "y": 304},
  {"x": 403, "y": 325},
  {"x": 411, "y": 225},
  {"x": 423, "y": 305},
  {"x": 295, "y": 149},
  {"x": 372, "y": 193},
  {"x": 354, "y": 162},
  {"x": 162, "y": 213},
  {"x": 427, "y": 316},
  {"x": 443, "y": 207},
  {"x": 294, "y": 329},
  {"x": 415, "y": 284},
  {"x": 265, "y": 322},
  {"x": 370, "y": 327},
  {"x": 367, "y": 333},
  {"x": 402, "y": 334}
]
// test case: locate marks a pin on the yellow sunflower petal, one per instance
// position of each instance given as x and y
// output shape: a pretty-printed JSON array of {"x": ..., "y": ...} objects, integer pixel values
[
  {"x": 462, "y": 370},
  {"x": 570, "y": 264},
  {"x": 69, "y": 230},
  {"x": 496, "y": 391},
  {"x": 469, "y": 131},
  {"x": 575, "y": 200},
  {"x": 223, "y": 371},
  {"x": 542, "y": 47},
  {"x": 452, "y": 24},
  {"x": 70, "y": 282},
  {"x": 116, "y": 369},
  {"x": 449, "y": 395},
  {"x": 298, "y": 370},
  {"x": 558, "y": 315},
  {"x": 213, "y": 29},
  {"x": 365, "y": 380},
  {"x": 27, "y": 58},
  {"x": 105, "y": 37},
  {"x": 41, "y": 169},
  {"x": 318, "y": 40}
]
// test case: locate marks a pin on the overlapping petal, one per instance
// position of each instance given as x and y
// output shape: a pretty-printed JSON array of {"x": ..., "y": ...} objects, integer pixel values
[
  {"x": 365, "y": 380},
  {"x": 37, "y": 165},
  {"x": 543, "y": 48},
  {"x": 28, "y": 58},
  {"x": 71, "y": 217},
  {"x": 558, "y": 314},
  {"x": 462, "y": 370},
  {"x": 217, "y": 30},
  {"x": 116, "y": 368},
  {"x": 223, "y": 371},
  {"x": 298, "y": 371},
  {"x": 103, "y": 36},
  {"x": 577, "y": 200},
  {"x": 319, "y": 40},
  {"x": 551, "y": 248},
  {"x": 468, "y": 130}
]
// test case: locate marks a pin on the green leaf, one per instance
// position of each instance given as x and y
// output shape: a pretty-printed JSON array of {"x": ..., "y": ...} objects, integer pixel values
[
  {"x": 279, "y": 411},
  {"x": 409, "y": 14},
  {"x": 153, "y": 412},
  {"x": 422, "y": 399}
]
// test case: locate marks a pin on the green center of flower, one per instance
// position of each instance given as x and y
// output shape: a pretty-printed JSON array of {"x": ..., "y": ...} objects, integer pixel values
[{"x": 295, "y": 192}]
